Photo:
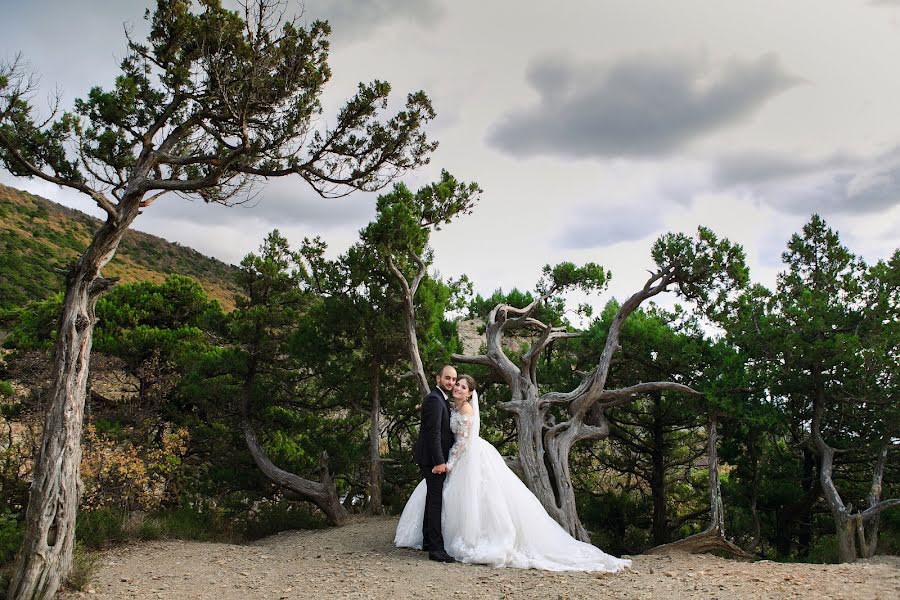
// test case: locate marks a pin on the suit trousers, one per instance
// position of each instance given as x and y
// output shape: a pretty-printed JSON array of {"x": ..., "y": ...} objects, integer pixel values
[{"x": 432, "y": 538}]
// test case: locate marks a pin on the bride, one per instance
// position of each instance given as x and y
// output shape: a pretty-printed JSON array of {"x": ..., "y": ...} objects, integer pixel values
[{"x": 489, "y": 516}]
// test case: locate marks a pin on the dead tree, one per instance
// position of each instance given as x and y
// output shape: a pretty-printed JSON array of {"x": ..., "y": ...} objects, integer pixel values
[{"x": 703, "y": 269}]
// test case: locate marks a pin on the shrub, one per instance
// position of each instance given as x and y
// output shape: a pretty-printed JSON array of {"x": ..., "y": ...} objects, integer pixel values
[
  {"x": 11, "y": 532},
  {"x": 270, "y": 517},
  {"x": 84, "y": 568},
  {"x": 97, "y": 528},
  {"x": 129, "y": 474}
]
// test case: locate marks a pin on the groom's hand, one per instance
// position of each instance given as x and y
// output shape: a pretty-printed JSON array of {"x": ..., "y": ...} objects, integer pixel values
[{"x": 438, "y": 469}]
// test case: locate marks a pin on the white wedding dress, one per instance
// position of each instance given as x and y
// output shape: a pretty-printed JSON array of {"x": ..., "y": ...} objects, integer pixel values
[{"x": 490, "y": 517}]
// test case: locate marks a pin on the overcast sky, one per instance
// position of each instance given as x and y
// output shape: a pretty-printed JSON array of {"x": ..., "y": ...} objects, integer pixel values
[{"x": 593, "y": 126}]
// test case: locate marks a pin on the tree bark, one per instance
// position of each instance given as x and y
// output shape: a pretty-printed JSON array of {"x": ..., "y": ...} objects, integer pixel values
[
  {"x": 375, "y": 466},
  {"x": 754, "y": 496},
  {"x": 712, "y": 539},
  {"x": 45, "y": 558},
  {"x": 544, "y": 451},
  {"x": 322, "y": 493},
  {"x": 844, "y": 525},
  {"x": 660, "y": 530},
  {"x": 409, "y": 317},
  {"x": 867, "y": 529}
]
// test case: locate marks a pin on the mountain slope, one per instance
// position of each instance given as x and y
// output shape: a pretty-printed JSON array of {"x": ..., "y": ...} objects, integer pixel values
[{"x": 39, "y": 239}]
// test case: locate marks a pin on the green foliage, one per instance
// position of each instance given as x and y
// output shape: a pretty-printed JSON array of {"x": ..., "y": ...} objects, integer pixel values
[
  {"x": 98, "y": 529},
  {"x": 27, "y": 265},
  {"x": 84, "y": 568},
  {"x": 618, "y": 522},
  {"x": 404, "y": 220},
  {"x": 565, "y": 276},
  {"x": 178, "y": 302},
  {"x": 269, "y": 518},
  {"x": 11, "y": 532},
  {"x": 186, "y": 523},
  {"x": 706, "y": 270},
  {"x": 95, "y": 529},
  {"x": 39, "y": 240},
  {"x": 6, "y": 389},
  {"x": 34, "y": 326}
]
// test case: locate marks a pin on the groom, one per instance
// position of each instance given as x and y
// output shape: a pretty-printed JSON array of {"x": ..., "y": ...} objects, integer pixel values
[{"x": 431, "y": 451}]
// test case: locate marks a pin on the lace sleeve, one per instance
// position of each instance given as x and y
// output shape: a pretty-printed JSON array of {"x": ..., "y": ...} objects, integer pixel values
[{"x": 462, "y": 440}]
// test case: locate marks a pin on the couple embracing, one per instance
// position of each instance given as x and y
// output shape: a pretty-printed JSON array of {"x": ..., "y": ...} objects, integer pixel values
[{"x": 470, "y": 507}]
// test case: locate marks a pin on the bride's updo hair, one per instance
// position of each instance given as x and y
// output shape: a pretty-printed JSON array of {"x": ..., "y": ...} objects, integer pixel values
[{"x": 470, "y": 381}]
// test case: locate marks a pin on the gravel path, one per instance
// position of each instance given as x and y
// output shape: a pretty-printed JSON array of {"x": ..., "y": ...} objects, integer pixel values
[{"x": 360, "y": 561}]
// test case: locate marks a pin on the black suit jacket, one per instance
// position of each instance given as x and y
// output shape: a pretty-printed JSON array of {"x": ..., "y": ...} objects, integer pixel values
[{"x": 435, "y": 438}]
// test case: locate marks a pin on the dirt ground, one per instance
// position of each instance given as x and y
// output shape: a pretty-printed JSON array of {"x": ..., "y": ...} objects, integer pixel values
[{"x": 360, "y": 561}]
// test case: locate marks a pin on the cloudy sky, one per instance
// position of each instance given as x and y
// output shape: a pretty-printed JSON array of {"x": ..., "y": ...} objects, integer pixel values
[{"x": 592, "y": 126}]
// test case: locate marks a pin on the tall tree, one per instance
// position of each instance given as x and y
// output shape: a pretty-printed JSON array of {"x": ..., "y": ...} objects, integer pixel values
[
  {"x": 400, "y": 234},
  {"x": 822, "y": 303},
  {"x": 767, "y": 440},
  {"x": 655, "y": 437},
  {"x": 703, "y": 269},
  {"x": 268, "y": 373},
  {"x": 880, "y": 385},
  {"x": 214, "y": 101},
  {"x": 350, "y": 339}
]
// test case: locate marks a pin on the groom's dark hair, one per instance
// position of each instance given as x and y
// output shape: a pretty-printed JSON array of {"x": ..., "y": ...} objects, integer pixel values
[{"x": 441, "y": 370}]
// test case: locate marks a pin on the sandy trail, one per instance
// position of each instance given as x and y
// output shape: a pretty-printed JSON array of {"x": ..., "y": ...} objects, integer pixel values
[{"x": 359, "y": 561}]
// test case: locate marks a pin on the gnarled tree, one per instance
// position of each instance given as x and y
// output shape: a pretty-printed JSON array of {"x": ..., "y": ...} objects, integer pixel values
[
  {"x": 703, "y": 270},
  {"x": 214, "y": 101},
  {"x": 839, "y": 320},
  {"x": 400, "y": 234}
]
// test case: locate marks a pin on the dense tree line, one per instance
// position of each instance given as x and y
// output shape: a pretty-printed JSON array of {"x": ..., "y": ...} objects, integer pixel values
[
  {"x": 639, "y": 428},
  {"x": 314, "y": 360}
]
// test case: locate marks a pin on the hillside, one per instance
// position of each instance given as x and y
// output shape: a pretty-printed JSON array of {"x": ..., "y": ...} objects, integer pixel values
[{"x": 39, "y": 238}]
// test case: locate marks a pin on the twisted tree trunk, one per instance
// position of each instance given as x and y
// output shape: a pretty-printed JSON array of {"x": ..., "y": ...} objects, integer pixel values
[
  {"x": 844, "y": 524},
  {"x": 45, "y": 558},
  {"x": 849, "y": 525},
  {"x": 543, "y": 450},
  {"x": 867, "y": 530},
  {"x": 322, "y": 493},
  {"x": 376, "y": 472}
]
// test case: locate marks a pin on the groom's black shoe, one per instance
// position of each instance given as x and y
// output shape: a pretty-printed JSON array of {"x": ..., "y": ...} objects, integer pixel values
[{"x": 441, "y": 557}]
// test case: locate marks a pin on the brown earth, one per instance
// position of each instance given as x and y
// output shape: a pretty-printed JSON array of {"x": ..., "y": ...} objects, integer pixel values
[{"x": 360, "y": 561}]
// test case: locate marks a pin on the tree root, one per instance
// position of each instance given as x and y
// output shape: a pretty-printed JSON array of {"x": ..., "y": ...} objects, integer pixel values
[{"x": 711, "y": 540}]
